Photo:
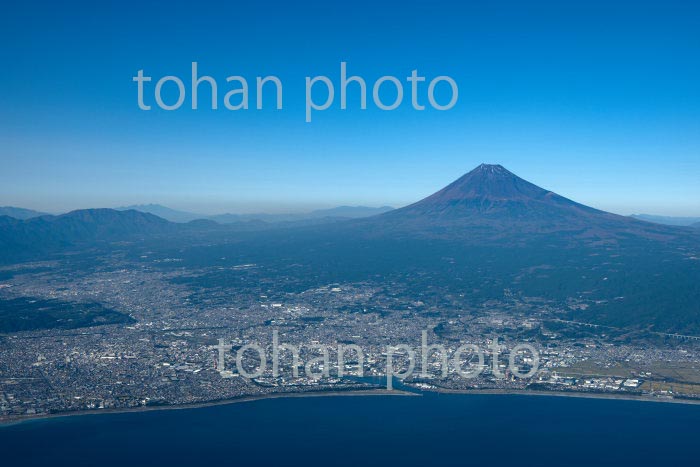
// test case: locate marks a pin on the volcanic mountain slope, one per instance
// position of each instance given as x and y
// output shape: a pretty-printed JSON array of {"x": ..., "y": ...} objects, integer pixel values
[
  {"x": 490, "y": 202},
  {"x": 488, "y": 232},
  {"x": 491, "y": 191}
]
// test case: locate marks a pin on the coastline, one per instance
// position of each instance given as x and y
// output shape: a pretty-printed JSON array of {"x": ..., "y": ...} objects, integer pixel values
[
  {"x": 198, "y": 405},
  {"x": 354, "y": 393},
  {"x": 572, "y": 394}
]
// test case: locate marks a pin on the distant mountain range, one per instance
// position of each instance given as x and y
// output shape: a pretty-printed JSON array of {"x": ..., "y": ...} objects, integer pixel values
[
  {"x": 668, "y": 220},
  {"x": 38, "y": 233},
  {"x": 487, "y": 205},
  {"x": 172, "y": 215},
  {"x": 487, "y": 235},
  {"x": 341, "y": 212},
  {"x": 23, "y": 239},
  {"x": 20, "y": 213}
]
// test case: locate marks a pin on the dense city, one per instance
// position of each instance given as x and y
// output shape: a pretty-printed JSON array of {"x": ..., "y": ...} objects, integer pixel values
[{"x": 180, "y": 343}]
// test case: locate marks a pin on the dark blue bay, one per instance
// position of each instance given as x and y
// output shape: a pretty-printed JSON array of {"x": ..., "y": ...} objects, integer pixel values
[{"x": 435, "y": 429}]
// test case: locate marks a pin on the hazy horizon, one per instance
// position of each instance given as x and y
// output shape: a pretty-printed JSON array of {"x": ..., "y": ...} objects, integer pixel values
[
  {"x": 607, "y": 114},
  {"x": 274, "y": 207},
  {"x": 209, "y": 206}
]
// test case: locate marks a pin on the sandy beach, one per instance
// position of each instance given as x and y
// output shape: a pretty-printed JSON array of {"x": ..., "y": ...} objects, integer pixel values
[{"x": 356, "y": 393}]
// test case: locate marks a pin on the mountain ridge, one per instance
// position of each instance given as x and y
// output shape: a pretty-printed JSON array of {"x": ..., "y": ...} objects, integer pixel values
[
  {"x": 20, "y": 213},
  {"x": 26, "y": 238},
  {"x": 338, "y": 212},
  {"x": 668, "y": 220}
]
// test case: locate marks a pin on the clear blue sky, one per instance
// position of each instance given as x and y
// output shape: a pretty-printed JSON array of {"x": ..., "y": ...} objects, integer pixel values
[{"x": 598, "y": 101}]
